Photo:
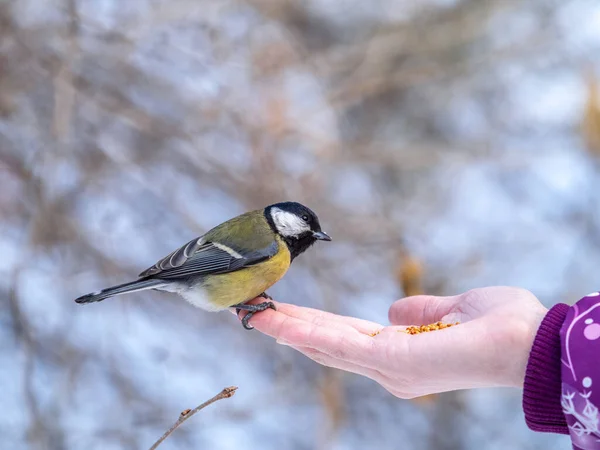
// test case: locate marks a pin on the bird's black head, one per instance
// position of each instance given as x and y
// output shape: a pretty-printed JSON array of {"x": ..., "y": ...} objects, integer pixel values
[{"x": 298, "y": 225}]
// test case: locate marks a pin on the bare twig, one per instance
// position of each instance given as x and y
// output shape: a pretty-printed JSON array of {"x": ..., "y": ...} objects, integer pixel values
[{"x": 185, "y": 415}]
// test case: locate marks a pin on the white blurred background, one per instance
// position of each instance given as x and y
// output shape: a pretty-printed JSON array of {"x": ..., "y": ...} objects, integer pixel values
[{"x": 445, "y": 145}]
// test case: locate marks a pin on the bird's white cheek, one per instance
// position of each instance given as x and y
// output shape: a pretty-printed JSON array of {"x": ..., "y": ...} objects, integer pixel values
[{"x": 289, "y": 224}]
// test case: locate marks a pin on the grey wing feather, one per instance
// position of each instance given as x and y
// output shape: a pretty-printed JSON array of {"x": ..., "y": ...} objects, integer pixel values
[
  {"x": 205, "y": 259},
  {"x": 174, "y": 259}
]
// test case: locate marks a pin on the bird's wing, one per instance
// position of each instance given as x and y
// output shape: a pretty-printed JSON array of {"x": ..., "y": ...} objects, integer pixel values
[{"x": 198, "y": 257}]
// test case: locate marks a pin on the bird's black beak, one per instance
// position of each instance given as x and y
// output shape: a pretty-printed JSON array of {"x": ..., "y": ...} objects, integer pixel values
[{"x": 321, "y": 236}]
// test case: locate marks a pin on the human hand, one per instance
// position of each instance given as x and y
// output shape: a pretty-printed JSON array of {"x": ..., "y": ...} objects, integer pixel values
[{"x": 490, "y": 347}]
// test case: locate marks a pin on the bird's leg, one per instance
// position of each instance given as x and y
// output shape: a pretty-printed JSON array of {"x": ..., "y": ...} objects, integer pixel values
[
  {"x": 252, "y": 309},
  {"x": 242, "y": 306}
]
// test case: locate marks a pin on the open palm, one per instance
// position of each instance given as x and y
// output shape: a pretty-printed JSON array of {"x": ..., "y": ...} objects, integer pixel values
[{"x": 489, "y": 348}]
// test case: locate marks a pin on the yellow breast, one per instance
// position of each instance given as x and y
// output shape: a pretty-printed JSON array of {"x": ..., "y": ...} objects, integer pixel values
[{"x": 228, "y": 289}]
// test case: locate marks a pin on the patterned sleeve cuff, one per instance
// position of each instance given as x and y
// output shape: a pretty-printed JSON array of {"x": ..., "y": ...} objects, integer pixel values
[{"x": 542, "y": 387}]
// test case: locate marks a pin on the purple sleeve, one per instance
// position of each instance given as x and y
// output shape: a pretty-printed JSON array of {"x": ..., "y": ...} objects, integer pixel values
[
  {"x": 564, "y": 363},
  {"x": 580, "y": 372},
  {"x": 542, "y": 389}
]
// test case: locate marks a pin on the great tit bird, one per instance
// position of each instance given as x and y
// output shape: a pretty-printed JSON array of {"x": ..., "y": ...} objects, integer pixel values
[{"x": 232, "y": 263}]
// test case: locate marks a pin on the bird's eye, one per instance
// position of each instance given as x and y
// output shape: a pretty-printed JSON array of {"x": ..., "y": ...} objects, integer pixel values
[{"x": 305, "y": 218}]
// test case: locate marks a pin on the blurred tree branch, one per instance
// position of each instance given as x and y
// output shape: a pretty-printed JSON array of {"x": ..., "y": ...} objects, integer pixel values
[{"x": 185, "y": 415}]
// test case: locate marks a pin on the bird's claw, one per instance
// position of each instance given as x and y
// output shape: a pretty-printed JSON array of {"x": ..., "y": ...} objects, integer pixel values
[
  {"x": 245, "y": 320},
  {"x": 251, "y": 310},
  {"x": 265, "y": 296}
]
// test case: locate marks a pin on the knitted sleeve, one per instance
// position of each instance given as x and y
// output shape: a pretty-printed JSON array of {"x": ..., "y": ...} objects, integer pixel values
[{"x": 564, "y": 363}]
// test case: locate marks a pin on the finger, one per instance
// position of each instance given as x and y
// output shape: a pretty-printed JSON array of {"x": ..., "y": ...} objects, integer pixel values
[
  {"x": 387, "y": 382},
  {"x": 318, "y": 320},
  {"x": 326, "y": 360},
  {"x": 319, "y": 317},
  {"x": 322, "y": 317},
  {"x": 337, "y": 340},
  {"x": 421, "y": 309}
]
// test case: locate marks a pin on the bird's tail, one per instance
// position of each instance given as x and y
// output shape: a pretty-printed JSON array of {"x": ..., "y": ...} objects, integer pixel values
[{"x": 125, "y": 288}]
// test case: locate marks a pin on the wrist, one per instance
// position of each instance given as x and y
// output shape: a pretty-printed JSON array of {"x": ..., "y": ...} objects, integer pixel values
[{"x": 542, "y": 384}]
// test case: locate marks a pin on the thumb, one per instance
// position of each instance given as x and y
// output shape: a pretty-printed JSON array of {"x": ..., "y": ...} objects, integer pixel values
[{"x": 421, "y": 309}]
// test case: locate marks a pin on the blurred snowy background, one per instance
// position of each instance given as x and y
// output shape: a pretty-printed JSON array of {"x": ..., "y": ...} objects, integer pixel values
[{"x": 445, "y": 145}]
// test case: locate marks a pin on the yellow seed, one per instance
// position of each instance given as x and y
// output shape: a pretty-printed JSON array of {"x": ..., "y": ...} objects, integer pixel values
[{"x": 418, "y": 329}]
